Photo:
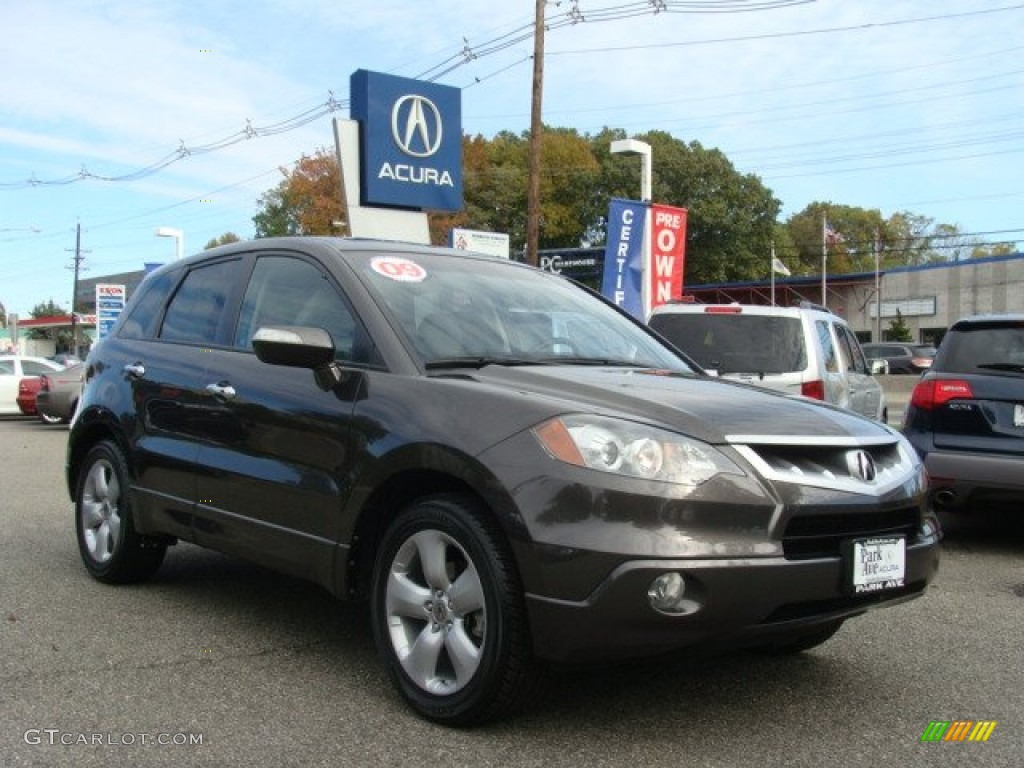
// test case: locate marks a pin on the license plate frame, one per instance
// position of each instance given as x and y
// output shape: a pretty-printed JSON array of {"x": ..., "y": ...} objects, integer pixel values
[{"x": 876, "y": 564}]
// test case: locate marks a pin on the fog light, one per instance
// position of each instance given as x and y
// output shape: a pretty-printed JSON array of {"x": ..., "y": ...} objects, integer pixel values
[{"x": 666, "y": 593}]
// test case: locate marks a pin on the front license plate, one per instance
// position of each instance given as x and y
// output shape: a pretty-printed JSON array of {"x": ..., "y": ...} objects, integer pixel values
[
  {"x": 878, "y": 564},
  {"x": 1018, "y": 415}
]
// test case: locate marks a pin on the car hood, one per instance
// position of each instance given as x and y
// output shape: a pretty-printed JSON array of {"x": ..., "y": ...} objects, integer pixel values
[{"x": 703, "y": 407}]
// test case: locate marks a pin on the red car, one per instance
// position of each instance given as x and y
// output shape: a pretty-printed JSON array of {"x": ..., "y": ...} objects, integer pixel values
[{"x": 27, "y": 388}]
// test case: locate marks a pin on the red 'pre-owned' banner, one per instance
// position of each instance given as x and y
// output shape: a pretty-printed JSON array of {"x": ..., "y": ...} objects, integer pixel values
[{"x": 668, "y": 254}]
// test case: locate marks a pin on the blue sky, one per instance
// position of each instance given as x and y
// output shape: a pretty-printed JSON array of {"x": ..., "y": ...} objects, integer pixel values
[{"x": 888, "y": 104}]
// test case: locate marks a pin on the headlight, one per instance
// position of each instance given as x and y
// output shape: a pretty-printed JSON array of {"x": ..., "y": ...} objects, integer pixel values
[{"x": 636, "y": 450}]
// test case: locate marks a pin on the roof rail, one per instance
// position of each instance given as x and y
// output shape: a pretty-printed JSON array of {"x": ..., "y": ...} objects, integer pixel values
[{"x": 804, "y": 304}]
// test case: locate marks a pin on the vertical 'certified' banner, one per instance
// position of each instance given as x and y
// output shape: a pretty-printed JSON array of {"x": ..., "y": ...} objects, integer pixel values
[
  {"x": 623, "y": 257},
  {"x": 668, "y": 255}
]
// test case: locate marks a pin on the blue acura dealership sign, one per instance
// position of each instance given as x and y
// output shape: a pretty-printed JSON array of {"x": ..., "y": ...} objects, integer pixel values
[{"x": 411, "y": 141}]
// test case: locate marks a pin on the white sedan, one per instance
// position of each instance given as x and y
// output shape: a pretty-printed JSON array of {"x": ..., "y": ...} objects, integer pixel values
[{"x": 13, "y": 368}]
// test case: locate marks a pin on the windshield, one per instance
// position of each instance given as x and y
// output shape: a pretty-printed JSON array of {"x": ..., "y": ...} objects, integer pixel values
[
  {"x": 467, "y": 310},
  {"x": 736, "y": 343}
]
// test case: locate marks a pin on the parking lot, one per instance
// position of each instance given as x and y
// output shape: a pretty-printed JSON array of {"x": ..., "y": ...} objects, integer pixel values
[{"x": 217, "y": 662}]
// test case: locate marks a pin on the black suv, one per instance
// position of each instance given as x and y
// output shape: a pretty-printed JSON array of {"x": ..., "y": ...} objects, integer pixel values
[
  {"x": 966, "y": 415},
  {"x": 509, "y": 468}
]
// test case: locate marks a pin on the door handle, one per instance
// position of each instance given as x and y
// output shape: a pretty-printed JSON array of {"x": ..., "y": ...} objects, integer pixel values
[
  {"x": 135, "y": 370},
  {"x": 222, "y": 390}
]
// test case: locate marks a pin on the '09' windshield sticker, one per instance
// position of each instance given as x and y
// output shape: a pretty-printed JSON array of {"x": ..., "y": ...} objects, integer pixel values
[{"x": 402, "y": 270}]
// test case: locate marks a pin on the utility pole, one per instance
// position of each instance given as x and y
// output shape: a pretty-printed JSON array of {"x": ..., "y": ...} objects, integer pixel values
[
  {"x": 74, "y": 291},
  {"x": 533, "y": 185}
]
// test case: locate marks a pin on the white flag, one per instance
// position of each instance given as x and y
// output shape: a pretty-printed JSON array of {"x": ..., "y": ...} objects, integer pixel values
[{"x": 778, "y": 266}]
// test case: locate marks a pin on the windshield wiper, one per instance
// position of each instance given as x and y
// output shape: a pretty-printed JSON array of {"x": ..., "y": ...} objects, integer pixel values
[
  {"x": 597, "y": 361},
  {"x": 479, "y": 362},
  {"x": 1015, "y": 367}
]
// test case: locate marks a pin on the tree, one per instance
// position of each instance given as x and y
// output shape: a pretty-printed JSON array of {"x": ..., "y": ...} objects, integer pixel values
[
  {"x": 731, "y": 216},
  {"x": 227, "y": 237},
  {"x": 50, "y": 309},
  {"x": 898, "y": 329},
  {"x": 306, "y": 202}
]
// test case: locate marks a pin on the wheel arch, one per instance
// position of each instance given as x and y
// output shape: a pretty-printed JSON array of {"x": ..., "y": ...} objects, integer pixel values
[
  {"x": 394, "y": 494},
  {"x": 91, "y": 428}
]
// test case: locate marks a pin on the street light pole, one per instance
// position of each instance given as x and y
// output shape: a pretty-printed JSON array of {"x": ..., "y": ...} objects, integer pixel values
[
  {"x": 642, "y": 148},
  {"x": 179, "y": 238}
]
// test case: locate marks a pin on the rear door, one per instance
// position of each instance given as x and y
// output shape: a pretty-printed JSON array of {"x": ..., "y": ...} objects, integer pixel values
[{"x": 162, "y": 349}]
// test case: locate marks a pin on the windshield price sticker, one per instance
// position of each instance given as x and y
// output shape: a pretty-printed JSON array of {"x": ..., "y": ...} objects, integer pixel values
[
  {"x": 402, "y": 270},
  {"x": 878, "y": 564}
]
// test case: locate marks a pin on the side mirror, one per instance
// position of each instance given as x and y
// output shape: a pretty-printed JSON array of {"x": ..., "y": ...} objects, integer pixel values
[
  {"x": 879, "y": 367},
  {"x": 293, "y": 345}
]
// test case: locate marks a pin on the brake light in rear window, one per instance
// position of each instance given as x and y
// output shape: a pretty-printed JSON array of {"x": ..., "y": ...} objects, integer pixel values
[
  {"x": 934, "y": 393},
  {"x": 723, "y": 310},
  {"x": 814, "y": 389}
]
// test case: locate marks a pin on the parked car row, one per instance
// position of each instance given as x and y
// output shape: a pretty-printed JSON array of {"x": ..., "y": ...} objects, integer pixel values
[
  {"x": 901, "y": 358},
  {"x": 36, "y": 386},
  {"x": 965, "y": 417}
]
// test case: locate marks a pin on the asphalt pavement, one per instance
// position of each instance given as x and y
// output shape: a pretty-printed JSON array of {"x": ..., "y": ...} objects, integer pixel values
[{"x": 216, "y": 662}]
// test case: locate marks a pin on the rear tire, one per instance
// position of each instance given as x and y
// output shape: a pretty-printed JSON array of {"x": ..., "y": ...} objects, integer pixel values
[
  {"x": 448, "y": 614},
  {"x": 110, "y": 547}
]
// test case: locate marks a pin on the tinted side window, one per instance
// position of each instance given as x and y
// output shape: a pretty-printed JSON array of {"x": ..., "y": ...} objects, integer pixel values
[
  {"x": 140, "y": 318},
  {"x": 289, "y": 291},
  {"x": 197, "y": 309},
  {"x": 828, "y": 349},
  {"x": 7, "y": 367}
]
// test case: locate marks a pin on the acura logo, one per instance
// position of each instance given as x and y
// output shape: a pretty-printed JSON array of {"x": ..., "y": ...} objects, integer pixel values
[
  {"x": 416, "y": 126},
  {"x": 861, "y": 465}
]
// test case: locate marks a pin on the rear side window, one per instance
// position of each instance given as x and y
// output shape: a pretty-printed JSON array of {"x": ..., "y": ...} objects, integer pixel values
[
  {"x": 736, "y": 343},
  {"x": 197, "y": 309},
  {"x": 828, "y": 348},
  {"x": 140, "y": 319}
]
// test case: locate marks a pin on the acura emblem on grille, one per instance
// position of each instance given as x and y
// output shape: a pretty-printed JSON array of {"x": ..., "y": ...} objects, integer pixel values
[{"x": 861, "y": 465}]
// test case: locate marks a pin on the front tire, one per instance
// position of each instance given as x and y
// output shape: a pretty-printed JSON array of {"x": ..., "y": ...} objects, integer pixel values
[
  {"x": 448, "y": 614},
  {"x": 110, "y": 547}
]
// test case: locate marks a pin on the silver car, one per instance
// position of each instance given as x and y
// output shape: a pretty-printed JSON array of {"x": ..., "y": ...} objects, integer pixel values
[{"x": 804, "y": 350}]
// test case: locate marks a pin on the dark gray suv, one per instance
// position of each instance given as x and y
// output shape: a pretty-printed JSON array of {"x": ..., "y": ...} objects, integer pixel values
[{"x": 508, "y": 468}]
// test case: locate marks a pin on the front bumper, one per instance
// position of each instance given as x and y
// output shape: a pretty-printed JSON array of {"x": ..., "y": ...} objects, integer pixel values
[{"x": 734, "y": 602}]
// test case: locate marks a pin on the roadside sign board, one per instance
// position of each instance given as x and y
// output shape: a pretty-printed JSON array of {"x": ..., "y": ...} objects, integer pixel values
[{"x": 110, "y": 301}]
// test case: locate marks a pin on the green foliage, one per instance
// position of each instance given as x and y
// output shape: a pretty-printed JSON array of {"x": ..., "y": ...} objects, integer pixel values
[
  {"x": 227, "y": 237},
  {"x": 49, "y": 309},
  {"x": 898, "y": 329},
  {"x": 731, "y": 223}
]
